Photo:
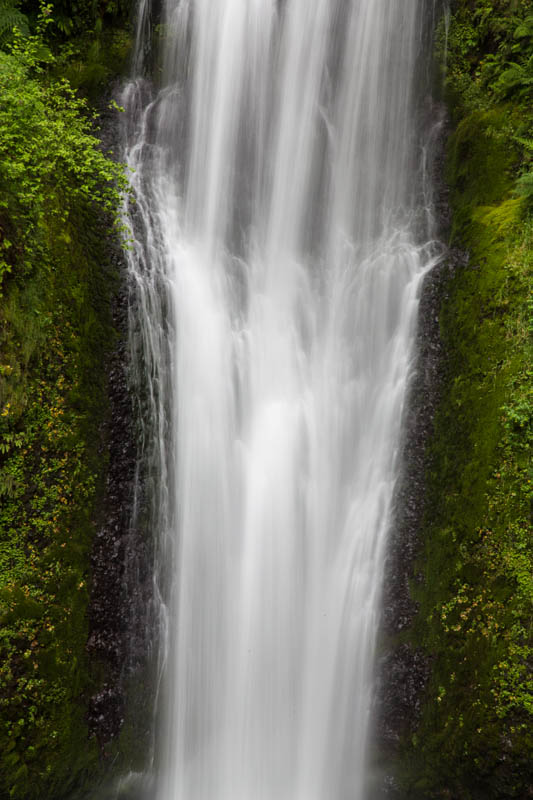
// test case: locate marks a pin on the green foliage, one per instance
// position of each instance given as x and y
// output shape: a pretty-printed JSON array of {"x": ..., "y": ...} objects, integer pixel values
[
  {"x": 87, "y": 44},
  {"x": 58, "y": 199},
  {"x": 81, "y": 17},
  {"x": 11, "y": 18},
  {"x": 89, "y": 62},
  {"x": 45, "y": 538},
  {"x": 476, "y": 600},
  {"x": 489, "y": 51},
  {"x": 515, "y": 79},
  {"x": 49, "y": 159},
  {"x": 524, "y": 184}
]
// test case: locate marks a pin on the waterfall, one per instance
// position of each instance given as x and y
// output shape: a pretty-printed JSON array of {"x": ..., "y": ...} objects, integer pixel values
[{"x": 278, "y": 249}]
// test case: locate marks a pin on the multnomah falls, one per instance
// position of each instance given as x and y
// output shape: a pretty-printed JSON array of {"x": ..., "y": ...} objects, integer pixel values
[
  {"x": 281, "y": 229},
  {"x": 266, "y": 419}
]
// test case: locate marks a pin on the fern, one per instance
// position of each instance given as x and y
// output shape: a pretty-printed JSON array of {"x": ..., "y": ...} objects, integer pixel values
[
  {"x": 524, "y": 29},
  {"x": 524, "y": 187},
  {"x": 11, "y": 17},
  {"x": 516, "y": 80},
  {"x": 527, "y": 144}
]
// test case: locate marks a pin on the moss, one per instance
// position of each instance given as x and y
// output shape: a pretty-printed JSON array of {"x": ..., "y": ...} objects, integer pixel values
[
  {"x": 54, "y": 407},
  {"x": 476, "y": 600},
  {"x": 481, "y": 165},
  {"x": 474, "y": 739}
]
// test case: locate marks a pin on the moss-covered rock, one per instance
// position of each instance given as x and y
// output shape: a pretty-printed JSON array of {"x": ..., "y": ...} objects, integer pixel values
[{"x": 475, "y": 592}]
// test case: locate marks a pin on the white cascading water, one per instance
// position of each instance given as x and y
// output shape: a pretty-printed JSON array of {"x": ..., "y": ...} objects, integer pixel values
[{"x": 276, "y": 269}]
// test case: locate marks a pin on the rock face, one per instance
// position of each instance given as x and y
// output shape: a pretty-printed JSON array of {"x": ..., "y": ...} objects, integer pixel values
[
  {"x": 403, "y": 670},
  {"x": 120, "y": 559},
  {"x": 109, "y": 612}
]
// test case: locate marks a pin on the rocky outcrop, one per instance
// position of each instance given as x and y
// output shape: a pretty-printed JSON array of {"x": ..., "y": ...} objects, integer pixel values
[{"x": 403, "y": 670}]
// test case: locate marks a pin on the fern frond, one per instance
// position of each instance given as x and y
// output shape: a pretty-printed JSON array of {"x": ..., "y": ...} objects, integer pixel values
[
  {"x": 10, "y": 18},
  {"x": 527, "y": 144},
  {"x": 524, "y": 186}
]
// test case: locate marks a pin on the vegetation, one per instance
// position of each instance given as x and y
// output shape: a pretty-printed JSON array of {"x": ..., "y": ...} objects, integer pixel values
[
  {"x": 475, "y": 739},
  {"x": 90, "y": 40},
  {"x": 58, "y": 195}
]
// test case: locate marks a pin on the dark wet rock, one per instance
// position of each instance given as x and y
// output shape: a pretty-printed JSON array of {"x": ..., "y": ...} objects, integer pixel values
[
  {"x": 403, "y": 676},
  {"x": 108, "y": 610},
  {"x": 106, "y": 714},
  {"x": 119, "y": 587},
  {"x": 403, "y": 671}
]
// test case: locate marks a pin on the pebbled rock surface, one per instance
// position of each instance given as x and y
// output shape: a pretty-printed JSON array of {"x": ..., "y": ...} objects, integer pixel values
[
  {"x": 120, "y": 559},
  {"x": 108, "y": 612},
  {"x": 402, "y": 670}
]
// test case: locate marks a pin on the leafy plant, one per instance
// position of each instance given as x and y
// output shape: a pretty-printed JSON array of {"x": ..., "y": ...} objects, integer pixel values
[
  {"x": 516, "y": 78},
  {"x": 47, "y": 149},
  {"x": 81, "y": 16},
  {"x": 11, "y": 18},
  {"x": 524, "y": 184},
  {"x": 524, "y": 187},
  {"x": 59, "y": 196}
]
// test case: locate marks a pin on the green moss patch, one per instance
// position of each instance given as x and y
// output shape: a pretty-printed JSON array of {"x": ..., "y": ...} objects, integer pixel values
[{"x": 475, "y": 739}]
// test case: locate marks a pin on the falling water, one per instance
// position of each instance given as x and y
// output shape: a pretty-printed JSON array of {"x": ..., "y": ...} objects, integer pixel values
[{"x": 277, "y": 261}]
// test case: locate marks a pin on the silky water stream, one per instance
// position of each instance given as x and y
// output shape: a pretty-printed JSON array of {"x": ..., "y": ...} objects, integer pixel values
[{"x": 280, "y": 239}]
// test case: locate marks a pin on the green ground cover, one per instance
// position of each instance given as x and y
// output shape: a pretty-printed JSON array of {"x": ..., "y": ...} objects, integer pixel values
[
  {"x": 58, "y": 196},
  {"x": 475, "y": 740}
]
